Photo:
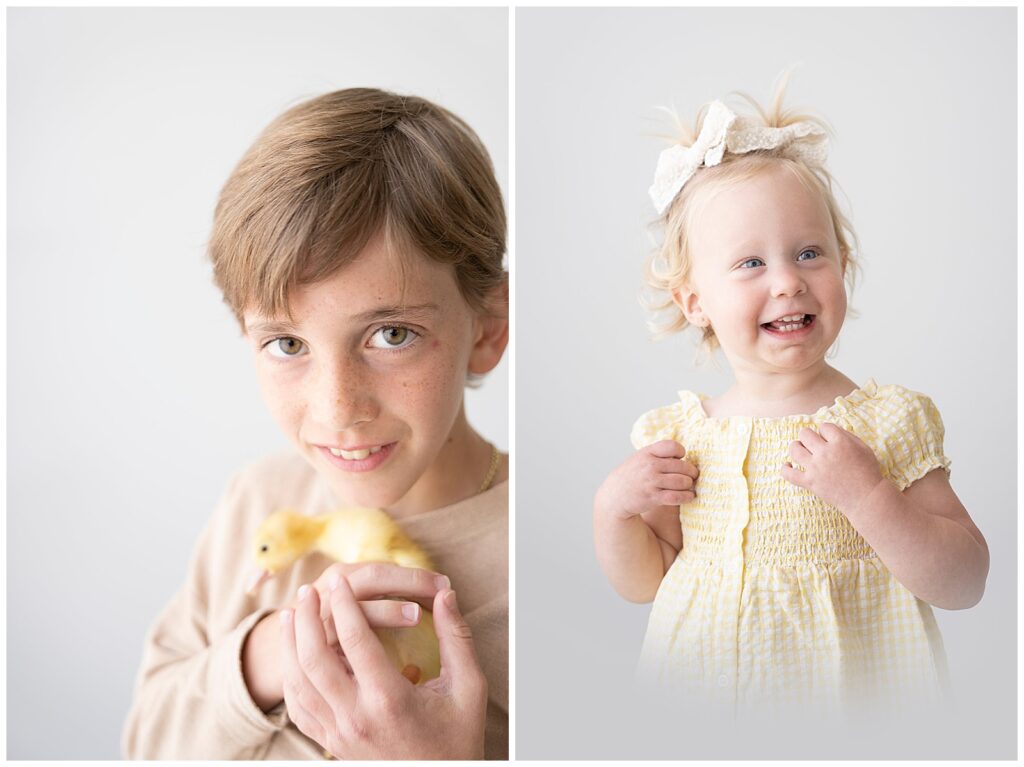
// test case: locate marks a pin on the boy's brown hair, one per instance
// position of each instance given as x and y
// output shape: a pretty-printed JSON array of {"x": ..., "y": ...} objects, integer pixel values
[{"x": 329, "y": 174}]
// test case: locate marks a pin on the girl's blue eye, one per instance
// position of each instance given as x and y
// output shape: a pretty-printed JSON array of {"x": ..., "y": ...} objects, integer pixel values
[
  {"x": 750, "y": 260},
  {"x": 273, "y": 344},
  {"x": 393, "y": 337},
  {"x": 812, "y": 252}
]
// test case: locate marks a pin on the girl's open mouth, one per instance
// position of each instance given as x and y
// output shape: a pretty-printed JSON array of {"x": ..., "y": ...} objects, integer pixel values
[{"x": 790, "y": 330}]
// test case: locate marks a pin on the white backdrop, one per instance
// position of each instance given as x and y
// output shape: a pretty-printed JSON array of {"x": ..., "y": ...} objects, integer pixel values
[
  {"x": 132, "y": 397},
  {"x": 924, "y": 104}
]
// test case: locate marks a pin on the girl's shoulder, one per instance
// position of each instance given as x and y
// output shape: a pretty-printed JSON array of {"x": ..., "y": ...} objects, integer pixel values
[{"x": 669, "y": 421}]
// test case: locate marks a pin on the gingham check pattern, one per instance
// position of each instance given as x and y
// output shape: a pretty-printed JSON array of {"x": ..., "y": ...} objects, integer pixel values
[{"x": 775, "y": 599}]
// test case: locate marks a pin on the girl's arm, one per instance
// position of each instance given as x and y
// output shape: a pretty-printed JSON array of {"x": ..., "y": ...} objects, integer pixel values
[
  {"x": 637, "y": 533},
  {"x": 923, "y": 535},
  {"x": 926, "y": 538}
]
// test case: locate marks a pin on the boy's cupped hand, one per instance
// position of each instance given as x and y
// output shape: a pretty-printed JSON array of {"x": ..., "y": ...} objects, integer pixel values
[
  {"x": 838, "y": 466},
  {"x": 357, "y": 705},
  {"x": 654, "y": 476}
]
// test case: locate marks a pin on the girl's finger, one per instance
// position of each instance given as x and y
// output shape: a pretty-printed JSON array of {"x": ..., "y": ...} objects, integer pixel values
[
  {"x": 674, "y": 497},
  {"x": 318, "y": 662},
  {"x": 667, "y": 448},
  {"x": 675, "y": 482},
  {"x": 810, "y": 439},
  {"x": 299, "y": 697},
  {"x": 362, "y": 648},
  {"x": 799, "y": 453},
  {"x": 675, "y": 466}
]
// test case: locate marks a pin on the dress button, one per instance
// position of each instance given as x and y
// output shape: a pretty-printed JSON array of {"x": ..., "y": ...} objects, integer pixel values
[{"x": 723, "y": 680}]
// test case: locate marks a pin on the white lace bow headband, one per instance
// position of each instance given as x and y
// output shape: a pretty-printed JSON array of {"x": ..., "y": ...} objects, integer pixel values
[{"x": 725, "y": 131}]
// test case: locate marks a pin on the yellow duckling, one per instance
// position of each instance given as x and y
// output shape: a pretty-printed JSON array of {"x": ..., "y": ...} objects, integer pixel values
[{"x": 353, "y": 535}]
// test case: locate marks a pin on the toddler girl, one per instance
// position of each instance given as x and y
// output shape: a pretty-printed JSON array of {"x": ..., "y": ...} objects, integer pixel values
[{"x": 794, "y": 531}]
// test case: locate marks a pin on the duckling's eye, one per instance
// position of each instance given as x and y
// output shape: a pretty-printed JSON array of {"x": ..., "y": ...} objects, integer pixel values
[
  {"x": 290, "y": 347},
  {"x": 393, "y": 337},
  {"x": 264, "y": 548}
]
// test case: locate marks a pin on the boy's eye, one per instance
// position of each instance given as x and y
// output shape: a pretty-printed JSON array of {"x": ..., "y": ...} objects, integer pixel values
[
  {"x": 393, "y": 337},
  {"x": 290, "y": 346}
]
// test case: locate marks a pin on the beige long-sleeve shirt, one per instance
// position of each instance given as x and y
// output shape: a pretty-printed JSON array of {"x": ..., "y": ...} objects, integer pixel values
[{"x": 191, "y": 701}]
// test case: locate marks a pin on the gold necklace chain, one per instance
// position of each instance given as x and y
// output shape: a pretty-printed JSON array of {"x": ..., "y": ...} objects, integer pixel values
[{"x": 495, "y": 460}]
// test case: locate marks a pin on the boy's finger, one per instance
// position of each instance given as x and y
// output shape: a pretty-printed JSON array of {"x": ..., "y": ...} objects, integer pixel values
[
  {"x": 318, "y": 662},
  {"x": 362, "y": 648},
  {"x": 303, "y": 701},
  {"x": 381, "y": 579},
  {"x": 459, "y": 664},
  {"x": 667, "y": 448}
]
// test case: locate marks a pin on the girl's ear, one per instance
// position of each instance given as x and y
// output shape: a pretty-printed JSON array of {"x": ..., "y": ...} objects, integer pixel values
[
  {"x": 690, "y": 305},
  {"x": 491, "y": 332}
]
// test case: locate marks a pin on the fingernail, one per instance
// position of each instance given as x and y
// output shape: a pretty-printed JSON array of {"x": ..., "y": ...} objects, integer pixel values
[
  {"x": 410, "y": 611},
  {"x": 442, "y": 582},
  {"x": 449, "y": 599},
  {"x": 335, "y": 579},
  {"x": 286, "y": 617},
  {"x": 303, "y": 592}
]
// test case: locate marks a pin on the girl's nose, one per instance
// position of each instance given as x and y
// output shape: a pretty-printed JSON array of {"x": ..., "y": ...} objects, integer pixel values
[
  {"x": 786, "y": 280},
  {"x": 342, "y": 395}
]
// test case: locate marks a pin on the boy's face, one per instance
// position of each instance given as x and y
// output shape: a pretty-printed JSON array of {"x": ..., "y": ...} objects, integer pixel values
[
  {"x": 765, "y": 249},
  {"x": 376, "y": 367}
]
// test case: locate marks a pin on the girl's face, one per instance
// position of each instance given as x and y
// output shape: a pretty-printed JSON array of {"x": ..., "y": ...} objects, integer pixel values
[
  {"x": 762, "y": 250},
  {"x": 375, "y": 367}
]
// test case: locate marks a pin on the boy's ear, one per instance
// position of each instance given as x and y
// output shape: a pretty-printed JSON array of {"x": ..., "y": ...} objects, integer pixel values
[
  {"x": 690, "y": 304},
  {"x": 491, "y": 332}
]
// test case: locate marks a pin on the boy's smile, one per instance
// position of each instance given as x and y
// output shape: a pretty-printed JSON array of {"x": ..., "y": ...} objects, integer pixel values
[{"x": 368, "y": 383}]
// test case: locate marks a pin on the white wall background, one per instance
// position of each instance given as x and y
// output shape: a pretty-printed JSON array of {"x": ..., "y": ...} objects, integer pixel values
[
  {"x": 923, "y": 101},
  {"x": 132, "y": 398}
]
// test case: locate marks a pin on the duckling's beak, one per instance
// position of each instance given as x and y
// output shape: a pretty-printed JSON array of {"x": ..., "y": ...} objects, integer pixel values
[{"x": 257, "y": 579}]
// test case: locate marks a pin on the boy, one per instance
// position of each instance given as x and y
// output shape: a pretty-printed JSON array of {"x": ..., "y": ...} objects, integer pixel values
[{"x": 359, "y": 244}]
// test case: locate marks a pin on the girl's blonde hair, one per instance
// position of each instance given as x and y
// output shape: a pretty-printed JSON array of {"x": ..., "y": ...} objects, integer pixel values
[
  {"x": 331, "y": 173},
  {"x": 670, "y": 266}
]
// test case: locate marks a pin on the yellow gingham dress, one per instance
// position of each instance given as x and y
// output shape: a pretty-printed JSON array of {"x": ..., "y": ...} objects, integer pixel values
[{"x": 775, "y": 598}]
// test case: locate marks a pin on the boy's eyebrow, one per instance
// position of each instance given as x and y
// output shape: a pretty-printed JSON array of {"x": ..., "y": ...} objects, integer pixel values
[
  {"x": 374, "y": 315},
  {"x": 396, "y": 312}
]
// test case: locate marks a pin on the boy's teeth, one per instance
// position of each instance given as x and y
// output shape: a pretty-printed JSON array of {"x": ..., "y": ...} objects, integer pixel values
[{"x": 355, "y": 455}]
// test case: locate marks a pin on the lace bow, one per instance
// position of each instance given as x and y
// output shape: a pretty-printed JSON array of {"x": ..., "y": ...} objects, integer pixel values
[{"x": 725, "y": 131}]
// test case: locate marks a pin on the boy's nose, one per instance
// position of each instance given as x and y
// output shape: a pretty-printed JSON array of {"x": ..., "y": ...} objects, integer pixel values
[{"x": 342, "y": 396}]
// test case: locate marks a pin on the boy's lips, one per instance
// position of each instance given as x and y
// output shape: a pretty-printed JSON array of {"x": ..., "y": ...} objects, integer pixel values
[{"x": 362, "y": 458}]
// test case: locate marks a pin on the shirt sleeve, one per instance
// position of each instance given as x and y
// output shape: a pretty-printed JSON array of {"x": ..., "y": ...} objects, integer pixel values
[
  {"x": 190, "y": 699},
  {"x": 912, "y": 437},
  {"x": 656, "y": 425}
]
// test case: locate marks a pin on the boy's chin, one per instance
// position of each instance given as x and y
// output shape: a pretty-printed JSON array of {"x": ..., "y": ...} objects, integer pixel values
[{"x": 368, "y": 497}]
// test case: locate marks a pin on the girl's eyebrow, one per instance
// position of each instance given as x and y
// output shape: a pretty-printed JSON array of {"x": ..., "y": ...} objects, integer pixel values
[{"x": 374, "y": 315}]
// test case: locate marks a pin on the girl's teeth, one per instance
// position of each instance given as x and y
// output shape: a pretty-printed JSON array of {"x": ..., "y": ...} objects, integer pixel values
[{"x": 355, "y": 455}]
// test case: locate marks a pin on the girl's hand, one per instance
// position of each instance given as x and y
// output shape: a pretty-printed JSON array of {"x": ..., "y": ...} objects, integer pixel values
[
  {"x": 654, "y": 476},
  {"x": 838, "y": 467},
  {"x": 359, "y": 707}
]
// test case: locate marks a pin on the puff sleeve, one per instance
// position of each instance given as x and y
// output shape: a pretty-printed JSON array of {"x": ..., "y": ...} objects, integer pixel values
[
  {"x": 910, "y": 436},
  {"x": 658, "y": 424}
]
